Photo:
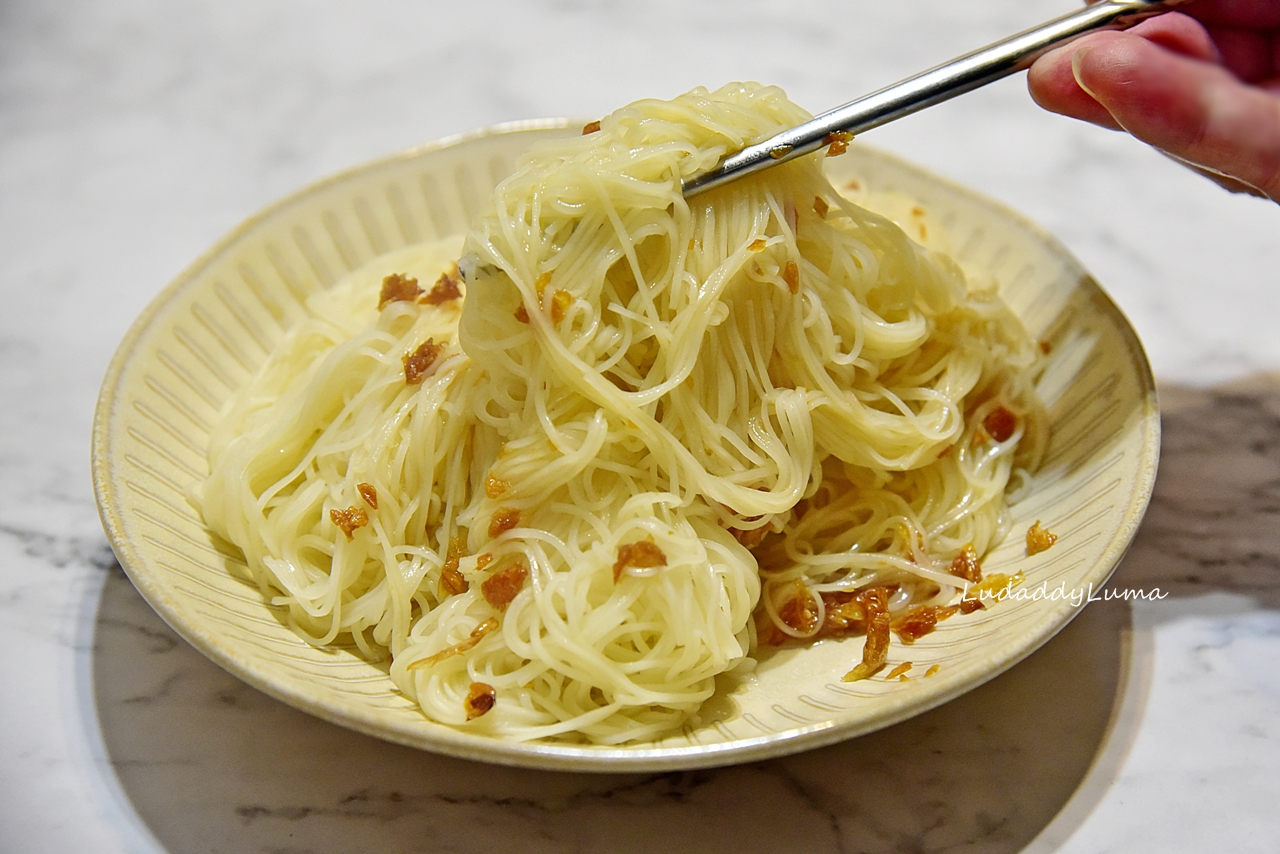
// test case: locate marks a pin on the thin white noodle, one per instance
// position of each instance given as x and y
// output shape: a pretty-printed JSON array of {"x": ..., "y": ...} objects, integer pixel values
[{"x": 628, "y": 368}]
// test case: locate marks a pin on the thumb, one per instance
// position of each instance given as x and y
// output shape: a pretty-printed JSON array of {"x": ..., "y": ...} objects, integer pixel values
[{"x": 1193, "y": 110}]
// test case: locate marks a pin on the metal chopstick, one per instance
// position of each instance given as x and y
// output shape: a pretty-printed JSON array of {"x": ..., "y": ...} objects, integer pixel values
[{"x": 931, "y": 87}]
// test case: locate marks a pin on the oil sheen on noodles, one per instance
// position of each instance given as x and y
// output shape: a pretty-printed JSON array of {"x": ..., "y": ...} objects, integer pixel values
[{"x": 650, "y": 420}]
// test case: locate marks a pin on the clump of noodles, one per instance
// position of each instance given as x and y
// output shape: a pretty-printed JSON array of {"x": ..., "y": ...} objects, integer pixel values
[{"x": 643, "y": 395}]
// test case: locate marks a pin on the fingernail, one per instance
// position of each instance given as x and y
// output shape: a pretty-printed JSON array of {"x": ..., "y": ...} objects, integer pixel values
[{"x": 1076, "y": 59}]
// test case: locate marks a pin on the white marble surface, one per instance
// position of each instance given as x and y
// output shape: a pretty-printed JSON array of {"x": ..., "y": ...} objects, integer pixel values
[{"x": 133, "y": 133}]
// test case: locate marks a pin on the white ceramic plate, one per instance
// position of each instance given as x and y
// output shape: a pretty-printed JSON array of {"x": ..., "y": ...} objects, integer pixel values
[{"x": 209, "y": 330}]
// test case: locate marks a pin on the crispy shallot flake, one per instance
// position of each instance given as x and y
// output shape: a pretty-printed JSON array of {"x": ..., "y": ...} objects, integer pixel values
[
  {"x": 837, "y": 142},
  {"x": 350, "y": 519},
  {"x": 1045, "y": 346},
  {"x": 899, "y": 670},
  {"x": 933, "y": 668},
  {"x": 369, "y": 493},
  {"x": 451, "y": 581},
  {"x": 556, "y": 303},
  {"x": 994, "y": 588},
  {"x": 849, "y": 613},
  {"x": 921, "y": 620},
  {"x": 484, "y": 559},
  {"x": 1000, "y": 424},
  {"x": 503, "y": 520},
  {"x": 820, "y": 206},
  {"x": 398, "y": 288},
  {"x": 966, "y": 565},
  {"x": 560, "y": 302},
  {"x": 590, "y": 127},
  {"x": 501, "y": 587},
  {"x": 845, "y": 615},
  {"x": 477, "y": 634},
  {"x": 644, "y": 554},
  {"x": 446, "y": 289},
  {"x": 1039, "y": 539},
  {"x": 495, "y": 487},
  {"x": 417, "y": 363},
  {"x": 758, "y": 244},
  {"x": 791, "y": 275},
  {"x": 800, "y": 612},
  {"x": 875, "y": 651},
  {"x": 480, "y": 699}
]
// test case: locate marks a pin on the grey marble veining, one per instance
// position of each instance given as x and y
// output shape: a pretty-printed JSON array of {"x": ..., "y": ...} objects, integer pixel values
[
  {"x": 1080, "y": 748},
  {"x": 134, "y": 133},
  {"x": 987, "y": 771}
]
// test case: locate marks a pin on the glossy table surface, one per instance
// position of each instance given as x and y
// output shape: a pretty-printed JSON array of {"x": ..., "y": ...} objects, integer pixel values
[{"x": 134, "y": 134}]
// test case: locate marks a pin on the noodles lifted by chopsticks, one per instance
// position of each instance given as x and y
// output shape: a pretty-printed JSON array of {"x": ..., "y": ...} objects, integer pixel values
[{"x": 649, "y": 419}]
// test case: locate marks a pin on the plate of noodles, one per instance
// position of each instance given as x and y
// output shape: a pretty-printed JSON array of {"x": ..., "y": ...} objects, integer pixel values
[{"x": 502, "y": 449}]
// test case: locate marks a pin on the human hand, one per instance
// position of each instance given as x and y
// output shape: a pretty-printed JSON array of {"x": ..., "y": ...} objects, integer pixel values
[{"x": 1202, "y": 87}]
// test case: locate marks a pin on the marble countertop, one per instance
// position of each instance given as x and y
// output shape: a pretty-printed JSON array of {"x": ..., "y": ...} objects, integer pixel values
[{"x": 134, "y": 133}]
